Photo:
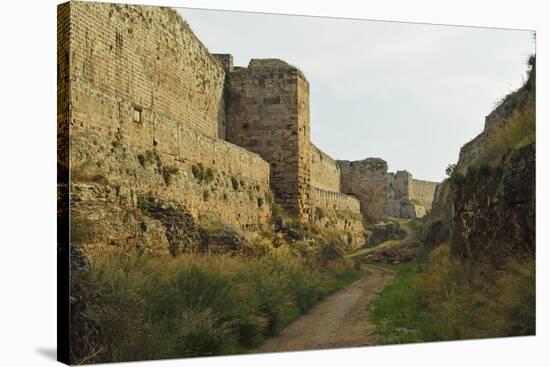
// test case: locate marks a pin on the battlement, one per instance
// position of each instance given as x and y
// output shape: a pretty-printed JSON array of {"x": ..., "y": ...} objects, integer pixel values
[{"x": 335, "y": 200}]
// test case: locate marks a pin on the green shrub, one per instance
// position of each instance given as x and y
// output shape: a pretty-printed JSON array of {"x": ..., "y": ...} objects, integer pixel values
[
  {"x": 196, "y": 170},
  {"x": 277, "y": 210},
  {"x": 449, "y": 299},
  {"x": 319, "y": 213},
  {"x": 163, "y": 307},
  {"x": 143, "y": 204},
  {"x": 209, "y": 175}
]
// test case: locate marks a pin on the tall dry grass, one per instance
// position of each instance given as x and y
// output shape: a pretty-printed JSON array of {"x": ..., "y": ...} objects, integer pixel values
[
  {"x": 447, "y": 299},
  {"x": 200, "y": 305}
]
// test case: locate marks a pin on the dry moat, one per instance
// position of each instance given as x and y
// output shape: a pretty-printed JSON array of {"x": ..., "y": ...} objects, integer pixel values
[{"x": 204, "y": 221}]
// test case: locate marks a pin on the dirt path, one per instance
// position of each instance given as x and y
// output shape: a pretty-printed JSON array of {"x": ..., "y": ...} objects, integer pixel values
[{"x": 342, "y": 320}]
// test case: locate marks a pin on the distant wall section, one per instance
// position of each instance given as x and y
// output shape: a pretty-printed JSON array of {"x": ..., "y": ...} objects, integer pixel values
[
  {"x": 407, "y": 197},
  {"x": 367, "y": 181},
  {"x": 340, "y": 212},
  {"x": 325, "y": 172},
  {"x": 423, "y": 192}
]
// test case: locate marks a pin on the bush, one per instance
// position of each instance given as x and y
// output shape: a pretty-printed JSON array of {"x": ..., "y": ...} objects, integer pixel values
[
  {"x": 277, "y": 211},
  {"x": 319, "y": 213},
  {"x": 143, "y": 204},
  {"x": 191, "y": 305},
  {"x": 518, "y": 132},
  {"x": 201, "y": 174},
  {"x": 450, "y": 299}
]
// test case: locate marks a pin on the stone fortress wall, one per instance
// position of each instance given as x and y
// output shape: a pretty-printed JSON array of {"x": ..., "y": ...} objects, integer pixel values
[
  {"x": 423, "y": 192},
  {"x": 147, "y": 113},
  {"x": 151, "y": 113},
  {"x": 325, "y": 172},
  {"x": 144, "y": 105},
  {"x": 367, "y": 181},
  {"x": 407, "y": 197},
  {"x": 268, "y": 113},
  {"x": 149, "y": 58},
  {"x": 496, "y": 121}
]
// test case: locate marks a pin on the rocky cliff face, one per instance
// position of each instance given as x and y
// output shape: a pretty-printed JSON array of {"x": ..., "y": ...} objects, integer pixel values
[
  {"x": 487, "y": 207},
  {"x": 494, "y": 209}
]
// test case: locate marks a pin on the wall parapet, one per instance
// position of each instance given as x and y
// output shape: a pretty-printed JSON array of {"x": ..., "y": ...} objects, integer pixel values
[
  {"x": 334, "y": 200},
  {"x": 368, "y": 180},
  {"x": 325, "y": 172}
]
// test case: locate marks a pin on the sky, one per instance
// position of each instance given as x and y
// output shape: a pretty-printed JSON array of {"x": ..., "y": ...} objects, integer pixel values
[{"x": 411, "y": 94}]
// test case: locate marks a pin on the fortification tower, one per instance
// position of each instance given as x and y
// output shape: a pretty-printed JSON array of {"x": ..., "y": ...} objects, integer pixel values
[
  {"x": 366, "y": 180},
  {"x": 267, "y": 112}
]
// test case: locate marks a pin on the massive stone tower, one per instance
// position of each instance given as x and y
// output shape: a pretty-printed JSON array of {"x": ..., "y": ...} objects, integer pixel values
[
  {"x": 267, "y": 112},
  {"x": 366, "y": 180}
]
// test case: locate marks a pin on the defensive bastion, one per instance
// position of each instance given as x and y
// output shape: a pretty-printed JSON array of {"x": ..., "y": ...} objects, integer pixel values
[
  {"x": 148, "y": 111},
  {"x": 407, "y": 197}
]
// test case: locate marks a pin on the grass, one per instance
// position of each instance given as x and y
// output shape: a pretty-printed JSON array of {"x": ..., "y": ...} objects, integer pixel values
[
  {"x": 443, "y": 298},
  {"x": 198, "y": 305},
  {"x": 518, "y": 132},
  {"x": 396, "y": 312}
]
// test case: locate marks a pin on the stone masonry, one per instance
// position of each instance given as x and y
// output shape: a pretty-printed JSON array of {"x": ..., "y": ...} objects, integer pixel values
[
  {"x": 268, "y": 113},
  {"x": 407, "y": 197},
  {"x": 141, "y": 101},
  {"x": 367, "y": 181},
  {"x": 150, "y": 112}
]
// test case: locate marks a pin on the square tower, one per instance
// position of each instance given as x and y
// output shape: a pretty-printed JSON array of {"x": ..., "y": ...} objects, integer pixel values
[{"x": 267, "y": 112}]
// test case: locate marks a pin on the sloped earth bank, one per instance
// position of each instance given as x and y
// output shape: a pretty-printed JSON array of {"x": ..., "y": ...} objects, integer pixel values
[
  {"x": 392, "y": 243},
  {"x": 342, "y": 320}
]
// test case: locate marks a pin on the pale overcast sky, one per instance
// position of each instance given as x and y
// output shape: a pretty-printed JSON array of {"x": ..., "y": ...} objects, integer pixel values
[{"x": 411, "y": 94}]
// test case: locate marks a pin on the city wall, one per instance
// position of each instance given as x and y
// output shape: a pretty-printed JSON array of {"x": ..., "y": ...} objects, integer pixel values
[
  {"x": 268, "y": 113},
  {"x": 367, "y": 181},
  {"x": 146, "y": 112},
  {"x": 325, "y": 172},
  {"x": 150, "y": 112},
  {"x": 423, "y": 192},
  {"x": 408, "y": 197}
]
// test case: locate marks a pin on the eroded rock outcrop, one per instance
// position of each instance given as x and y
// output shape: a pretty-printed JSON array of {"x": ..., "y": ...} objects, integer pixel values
[
  {"x": 487, "y": 206},
  {"x": 495, "y": 209}
]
